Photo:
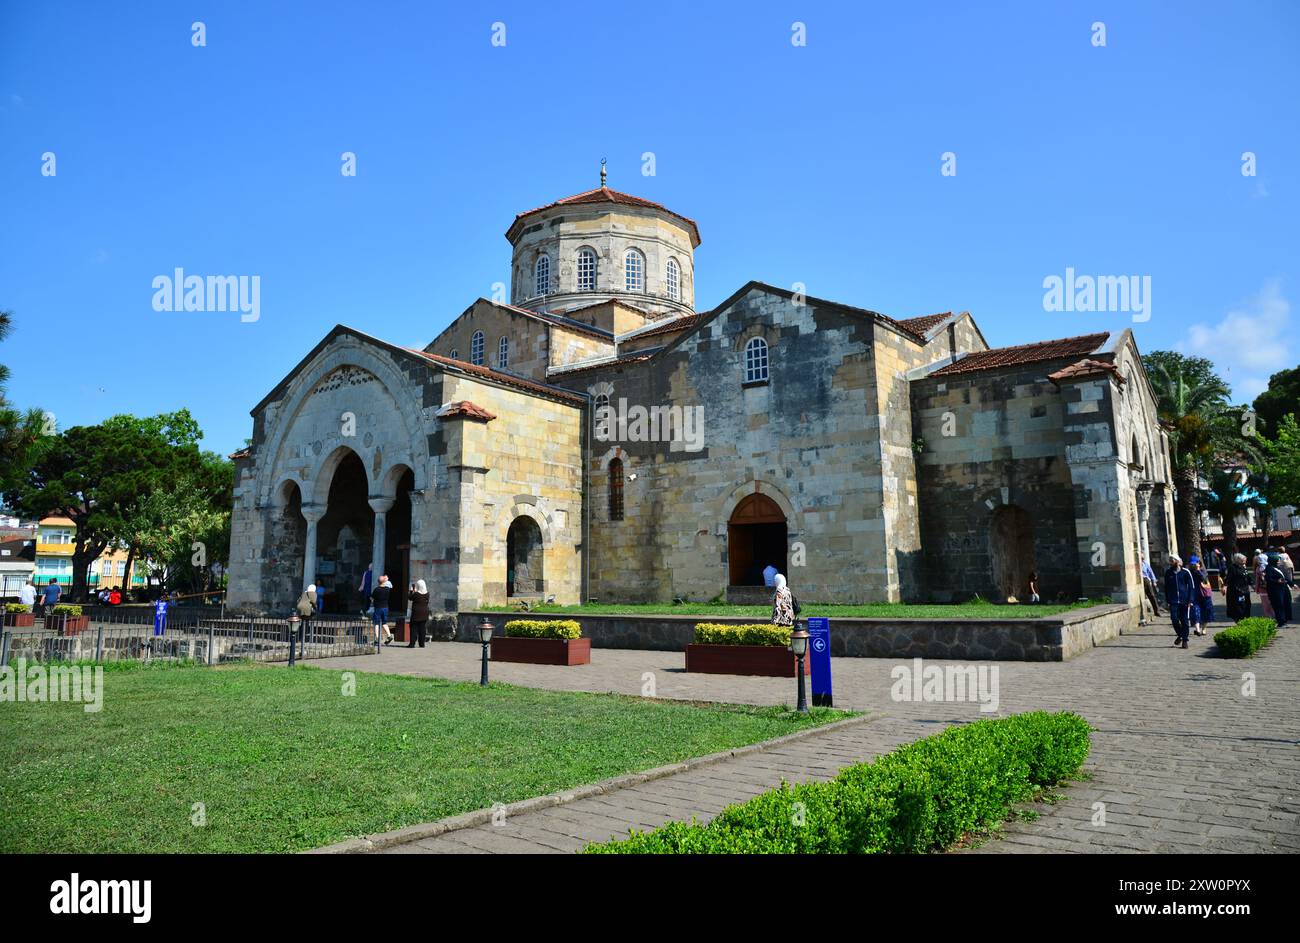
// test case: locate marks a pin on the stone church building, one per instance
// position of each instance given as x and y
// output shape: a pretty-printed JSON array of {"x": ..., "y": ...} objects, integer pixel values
[{"x": 598, "y": 437}]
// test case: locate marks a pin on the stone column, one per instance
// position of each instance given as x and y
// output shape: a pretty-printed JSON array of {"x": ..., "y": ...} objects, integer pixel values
[
  {"x": 1144, "y": 515},
  {"x": 381, "y": 507},
  {"x": 313, "y": 513}
]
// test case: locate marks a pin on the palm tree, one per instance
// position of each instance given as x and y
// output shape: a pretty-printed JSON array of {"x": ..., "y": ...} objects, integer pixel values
[
  {"x": 1192, "y": 403},
  {"x": 1228, "y": 495}
]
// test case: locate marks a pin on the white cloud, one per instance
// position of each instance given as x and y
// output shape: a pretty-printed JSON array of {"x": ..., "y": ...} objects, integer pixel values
[{"x": 1251, "y": 342}]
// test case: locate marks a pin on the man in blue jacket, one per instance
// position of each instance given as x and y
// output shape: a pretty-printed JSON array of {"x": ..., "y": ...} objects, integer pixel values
[{"x": 1180, "y": 594}]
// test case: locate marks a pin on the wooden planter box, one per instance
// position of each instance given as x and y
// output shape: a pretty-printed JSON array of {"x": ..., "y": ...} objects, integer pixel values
[
  {"x": 73, "y": 625},
  {"x": 542, "y": 651},
  {"x": 20, "y": 620},
  {"x": 769, "y": 660}
]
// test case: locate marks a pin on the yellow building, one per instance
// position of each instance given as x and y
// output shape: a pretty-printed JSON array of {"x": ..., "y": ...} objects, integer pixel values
[{"x": 56, "y": 538}]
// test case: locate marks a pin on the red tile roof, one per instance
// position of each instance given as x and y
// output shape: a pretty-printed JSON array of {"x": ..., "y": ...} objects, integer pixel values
[
  {"x": 508, "y": 379},
  {"x": 464, "y": 409},
  {"x": 242, "y": 453},
  {"x": 606, "y": 195},
  {"x": 923, "y": 324},
  {"x": 1024, "y": 354},
  {"x": 1086, "y": 368}
]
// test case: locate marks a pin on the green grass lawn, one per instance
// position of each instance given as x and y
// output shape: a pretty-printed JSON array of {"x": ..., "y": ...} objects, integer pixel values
[
  {"x": 283, "y": 761},
  {"x": 880, "y": 610}
]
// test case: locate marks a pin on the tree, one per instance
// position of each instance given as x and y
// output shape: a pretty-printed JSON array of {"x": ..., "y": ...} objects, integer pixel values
[
  {"x": 19, "y": 430},
  {"x": 1281, "y": 464},
  {"x": 1281, "y": 397},
  {"x": 184, "y": 530},
  {"x": 100, "y": 476},
  {"x": 1192, "y": 403},
  {"x": 1229, "y": 494}
]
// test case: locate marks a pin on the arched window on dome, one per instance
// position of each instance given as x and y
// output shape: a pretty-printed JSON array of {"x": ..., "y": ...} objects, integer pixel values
[
  {"x": 634, "y": 270},
  {"x": 503, "y": 353},
  {"x": 756, "y": 360},
  {"x": 673, "y": 280},
  {"x": 586, "y": 269},
  {"x": 455, "y": 354},
  {"x": 476, "y": 349},
  {"x": 616, "y": 490},
  {"x": 542, "y": 275}
]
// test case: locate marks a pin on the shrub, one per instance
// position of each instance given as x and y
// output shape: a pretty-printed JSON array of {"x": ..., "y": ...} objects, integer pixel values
[
  {"x": 710, "y": 633},
  {"x": 921, "y": 797},
  {"x": 17, "y": 607},
  {"x": 65, "y": 609},
  {"x": 543, "y": 628},
  {"x": 1245, "y": 638}
]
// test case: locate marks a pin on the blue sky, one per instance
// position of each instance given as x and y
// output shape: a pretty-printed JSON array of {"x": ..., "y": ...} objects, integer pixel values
[{"x": 818, "y": 164}]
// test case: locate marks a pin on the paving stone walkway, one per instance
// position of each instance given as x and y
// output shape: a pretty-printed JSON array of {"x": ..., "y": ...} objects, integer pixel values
[{"x": 1182, "y": 760}]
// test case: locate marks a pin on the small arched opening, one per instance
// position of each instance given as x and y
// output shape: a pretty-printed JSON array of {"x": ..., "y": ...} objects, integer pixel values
[
  {"x": 756, "y": 538},
  {"x": 524, "y": 559}
]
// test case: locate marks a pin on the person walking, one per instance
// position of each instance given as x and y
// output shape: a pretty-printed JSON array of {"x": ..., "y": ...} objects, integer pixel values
[
  {"x": 783, "y": 604},
  {"x": 379, "y": 598},
  {"x": 1149, "y": 587},
  {"x": 366, "y": 586},
  {"x": 1261, "y": 587},
  {"x": 49, "y": 597},
  {"x": 27, "y": 594},
  {"x": 418, "y": 621},
  {"x": 1034, "y": 598},
  {"x": 1288, "y": 570},
  {"x": 1237, "y": 588},
  {"x": 1204, "y": 599},
  {"x": 1279, "y": 590},
  {"x": 1180, "y": 595}
]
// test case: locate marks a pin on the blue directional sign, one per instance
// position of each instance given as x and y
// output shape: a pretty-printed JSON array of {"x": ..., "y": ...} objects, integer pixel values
[
  {"x": 819, "y": 650},
  {"x": 160, "y": 617}
]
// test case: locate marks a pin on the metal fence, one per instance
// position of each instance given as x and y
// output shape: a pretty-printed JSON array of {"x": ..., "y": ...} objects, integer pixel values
[{"x": 185, "y": 637}]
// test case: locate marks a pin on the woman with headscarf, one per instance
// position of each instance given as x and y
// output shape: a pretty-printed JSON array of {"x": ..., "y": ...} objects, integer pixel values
[
  {"x": 1278, "y": 588},
  {"x": 307, "y": 602},
  {"x": 419, "y": 619},
  {"x": 1237, "y": 588},
  {"x": 782, "y": 602}
]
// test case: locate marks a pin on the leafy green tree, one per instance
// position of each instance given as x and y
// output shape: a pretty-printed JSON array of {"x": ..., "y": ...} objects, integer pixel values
[
  {"x": 19, "y": 430},
  {"x": 1281, "y": 464},
  {"x": 102, "y": 476},
  {"x": 1281, "y": 397}
]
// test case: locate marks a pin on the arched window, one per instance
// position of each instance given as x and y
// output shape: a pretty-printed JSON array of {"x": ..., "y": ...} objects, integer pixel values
[
  {"x": 616, "y": 490},
  {"x": 586, "y": 270},
  {"x": 455, "y": 354},
  {"x": 756, "y": 360},
  {"x": 672, "y": 279},
  {"x": 503, "y": 353},
  {"x": 601, "y": 418},
  {"x": 542, "y": 276},
  {"x": 476, "y": 349},
  {"x": 634, "y": 271}
]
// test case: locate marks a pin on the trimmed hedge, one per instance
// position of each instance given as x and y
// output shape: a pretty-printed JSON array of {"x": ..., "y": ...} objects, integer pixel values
[
  {"x": 17, "y": 607},
  {"x": 65, "y": 609},
  {"x": 761, "y": 633},
  {"x": 543, "y": 628},
  {"x": 1245, "y": 638},
  {"x": 921, "y": 797}
]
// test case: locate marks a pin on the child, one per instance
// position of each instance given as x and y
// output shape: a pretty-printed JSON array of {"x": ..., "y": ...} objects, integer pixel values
[{"x": 1033, "y": 588}]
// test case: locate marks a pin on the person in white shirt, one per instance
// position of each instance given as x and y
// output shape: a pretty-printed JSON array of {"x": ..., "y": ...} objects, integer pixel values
[
  {"x": 769, "y": 575},
  {"x": 27, "y": 594}
]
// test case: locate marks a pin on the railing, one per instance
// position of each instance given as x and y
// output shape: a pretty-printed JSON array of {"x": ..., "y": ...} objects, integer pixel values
[{"x": 185, "y": 637}]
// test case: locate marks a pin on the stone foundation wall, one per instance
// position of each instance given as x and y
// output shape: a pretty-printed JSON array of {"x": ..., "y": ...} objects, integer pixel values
[{"x": 1054, "y": 638}]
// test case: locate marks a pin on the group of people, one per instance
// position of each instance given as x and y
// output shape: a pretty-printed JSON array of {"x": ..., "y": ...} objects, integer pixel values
[
  {"x": 379, "y": 595},
  {"x": 1190, "y": 597},
  {"x": 40, "y": 599}
]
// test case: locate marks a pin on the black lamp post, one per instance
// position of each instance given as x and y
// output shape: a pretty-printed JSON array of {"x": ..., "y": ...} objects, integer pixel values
[
  {"x": 485, "y": 637},
  {"x": 799, "y": 645},
  {"x": 293, "y": 637}
]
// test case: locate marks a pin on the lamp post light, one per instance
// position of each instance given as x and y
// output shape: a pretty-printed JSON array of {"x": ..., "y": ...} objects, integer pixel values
[
  {"x": 799, "y": 645},
  {"x": 485, "y": 637},
  {"x": 293, "y": 636}
]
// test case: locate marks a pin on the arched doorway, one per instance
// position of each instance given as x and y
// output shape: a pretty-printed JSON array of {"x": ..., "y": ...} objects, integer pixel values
[
  {"x": 1011, "y": 551},
  {"x": 345, "y": 537},
  {"x": 524, "y": 575},
  {"x": 756, "y": 538}
]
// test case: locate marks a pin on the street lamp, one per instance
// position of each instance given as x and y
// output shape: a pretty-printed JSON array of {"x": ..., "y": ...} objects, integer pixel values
[
  {"x": 485, "y": 637},
  {"x": 293, "y": 636},
  {"x": 799, "y": 645}
]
